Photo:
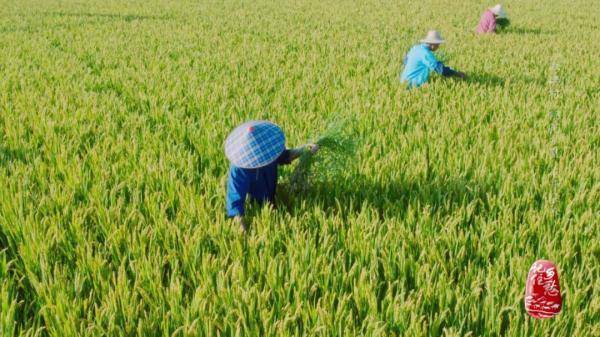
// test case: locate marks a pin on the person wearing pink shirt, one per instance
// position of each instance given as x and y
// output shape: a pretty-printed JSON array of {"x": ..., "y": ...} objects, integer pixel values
[{"x": 491, "y": 19}]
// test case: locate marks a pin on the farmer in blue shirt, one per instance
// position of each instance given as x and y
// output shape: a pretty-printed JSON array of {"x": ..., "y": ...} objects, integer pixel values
[
  {"x": 255, "y": 150},
  {"x": 420, "y": 62}
]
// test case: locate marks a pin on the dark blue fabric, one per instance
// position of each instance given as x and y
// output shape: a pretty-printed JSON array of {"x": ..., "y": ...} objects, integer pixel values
[
  {"x": 447, "y": 71},
  {"x": 260, "y": 184}
]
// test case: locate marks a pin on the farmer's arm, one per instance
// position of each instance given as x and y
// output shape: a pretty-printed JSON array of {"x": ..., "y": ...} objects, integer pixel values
[
  {"x": 238, "y": 184},
  {"x": 295, "y": 153},
  {"x": 433, "y": 64},
  {"x": 449, "y": 72}
]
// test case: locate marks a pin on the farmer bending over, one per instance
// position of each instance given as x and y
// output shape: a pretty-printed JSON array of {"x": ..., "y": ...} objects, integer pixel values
[
  {"x": 420, "y": 61},
  {"x": 255, "y": 150},
  {"x": 491, "y": 19}
]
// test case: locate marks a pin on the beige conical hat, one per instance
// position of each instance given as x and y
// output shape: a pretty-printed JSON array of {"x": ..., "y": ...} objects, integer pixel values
[
  {"x": 499, "y": 11},
  {"x": 433, "y": 37}
]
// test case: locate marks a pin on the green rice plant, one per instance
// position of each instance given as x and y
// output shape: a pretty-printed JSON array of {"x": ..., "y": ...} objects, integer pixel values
[
  {"x": 437, "y": 200},
  {"x": 337, "y": 148},
  {"x": 443, "y": 56}
]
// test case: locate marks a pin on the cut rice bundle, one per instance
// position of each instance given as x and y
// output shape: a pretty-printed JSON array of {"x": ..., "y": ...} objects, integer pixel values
[{"x": 336, "y": 145}]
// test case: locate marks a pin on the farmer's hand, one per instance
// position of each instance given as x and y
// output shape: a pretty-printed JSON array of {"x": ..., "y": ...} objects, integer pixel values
[
  {"x": 240, "y": 220},
  {"x": 461, "y": 75},
  {"x": 312, "y": 148}
]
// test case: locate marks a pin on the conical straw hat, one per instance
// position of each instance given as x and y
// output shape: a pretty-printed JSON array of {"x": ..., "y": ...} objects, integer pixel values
[
  {"x": 254, "y": 144},
  {"x": 499, "y": 11},
  {"x": 433, "y": 37}
]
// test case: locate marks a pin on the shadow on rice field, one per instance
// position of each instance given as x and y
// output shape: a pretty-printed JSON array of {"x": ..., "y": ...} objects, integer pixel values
[
  {"x": 441, "y": 195},
  {"x": 491, "y": 80},
  {"x": 9, "y": 155},
  {"x": 488, "y": 80},
  {"x": 528, "y": 31}
]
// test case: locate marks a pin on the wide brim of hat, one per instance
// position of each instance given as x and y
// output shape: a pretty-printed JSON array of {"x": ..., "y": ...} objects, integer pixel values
[
  {"x": 501, "y": 14},
  {"x": 433, "y": 41},
  {"x": 259, "y": 149}
]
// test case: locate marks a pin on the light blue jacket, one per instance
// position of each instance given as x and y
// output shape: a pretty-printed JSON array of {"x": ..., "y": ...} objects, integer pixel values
[{"x": 418, "y": 63}]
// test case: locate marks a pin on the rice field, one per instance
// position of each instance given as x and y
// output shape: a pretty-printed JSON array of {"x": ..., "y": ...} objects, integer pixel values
[{"x": 113, "y": 116}]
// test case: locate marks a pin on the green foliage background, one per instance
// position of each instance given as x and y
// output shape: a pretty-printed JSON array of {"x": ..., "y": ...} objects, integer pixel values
[{"x": 112, "y": 119}]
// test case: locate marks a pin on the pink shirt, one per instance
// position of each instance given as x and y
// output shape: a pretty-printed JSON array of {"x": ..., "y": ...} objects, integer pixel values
[{"x": 487, "y": 23}]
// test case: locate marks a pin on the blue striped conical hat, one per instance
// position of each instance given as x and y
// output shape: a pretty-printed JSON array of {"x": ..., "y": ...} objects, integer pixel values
[{"x": 254, "y": 144}]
